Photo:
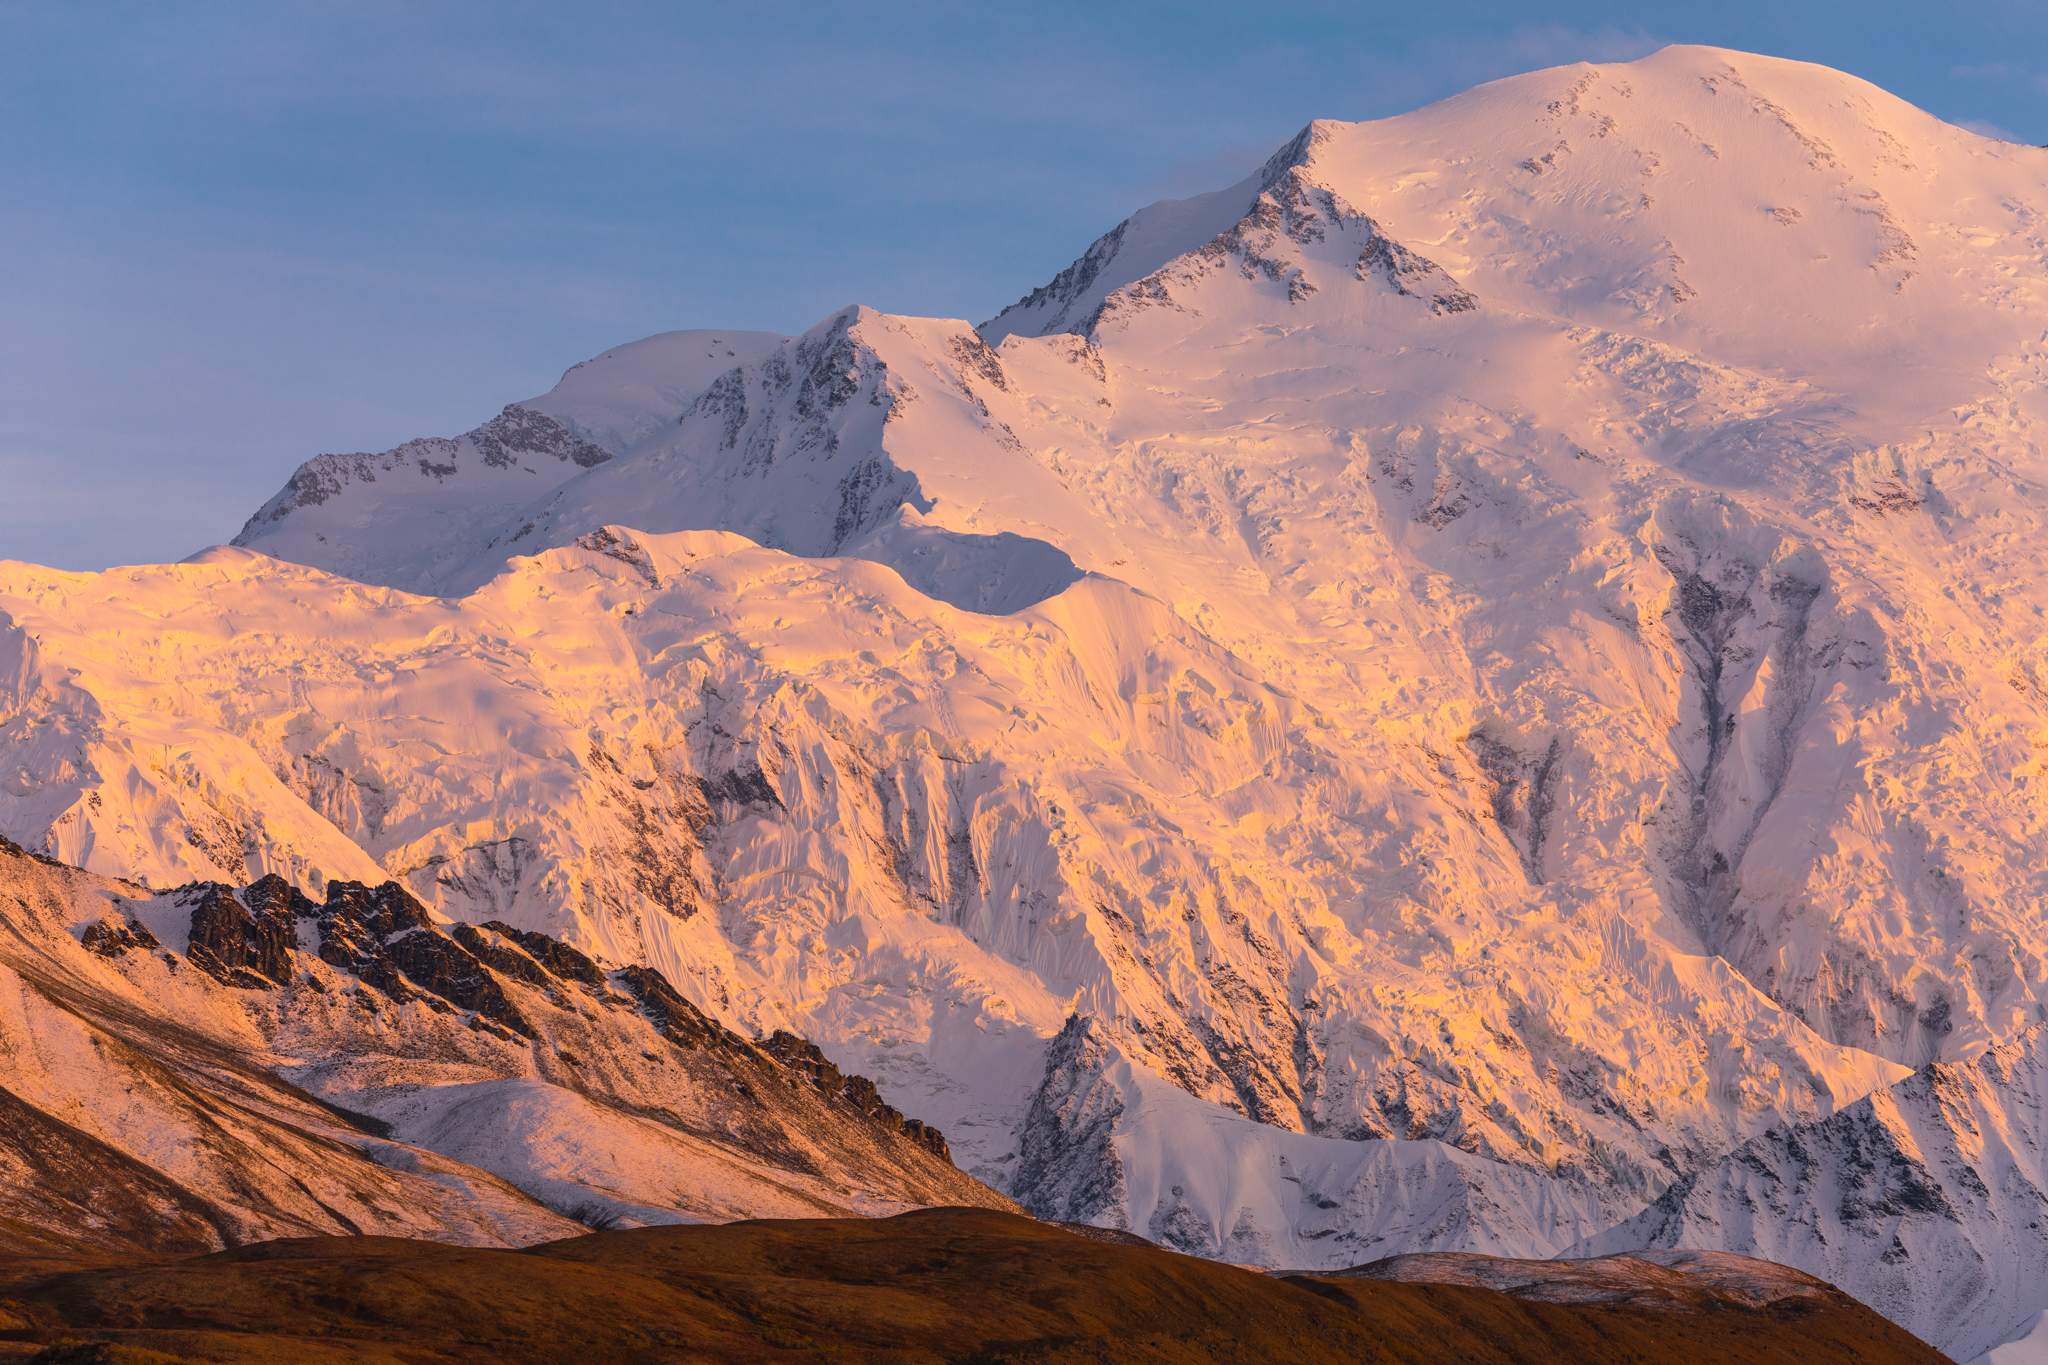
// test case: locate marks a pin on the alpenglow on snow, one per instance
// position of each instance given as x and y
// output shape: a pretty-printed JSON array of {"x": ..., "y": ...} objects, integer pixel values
[{"x": 1480, "y": 689}]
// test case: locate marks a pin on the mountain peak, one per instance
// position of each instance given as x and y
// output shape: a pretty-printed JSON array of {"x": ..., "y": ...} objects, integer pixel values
[{"x": 1427, "y": 699}]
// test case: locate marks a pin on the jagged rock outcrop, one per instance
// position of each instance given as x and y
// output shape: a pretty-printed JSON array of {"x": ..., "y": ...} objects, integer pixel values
[
  {"x": 238, "y": 946},
  {"x": 1068, "y": 1168},
  {"x": 857, "y": 1092},
  {"x": 387, "y": 938}
]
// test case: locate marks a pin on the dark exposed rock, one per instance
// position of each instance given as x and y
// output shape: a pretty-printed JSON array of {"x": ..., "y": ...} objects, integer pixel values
[
  {"x": 239, "y": 948},
  {"x": 974, "y": 355},
  {"x": 356, "y": 921},
  {"x": 1889, "y": 495},
  {"x": 443, "y": 967},
  {"x": 387, "y": 938},
  {"x": 801, "y": 1054},
  {"x": 1070, "y": 284},
  {"x": 927, "y": 1137},
  {"x": 869, "y": 495},
  {"x": 385, "y": 909},
  {"x": 1068, "y": 1169},
  {"x": 680, "y": 1021},
  {"x": 626, "y": 550},
  {"x": 553, "y": 954},
  {"x": 492, "y": 949},
  {"x": 272, "y": 894},
  {"x": 112, "y": 940},
  {"x": 804, "y": 1057},
  {"x": 527, "y": 956},
  {"x": 684, "y": 1024},
  {"x": 1412, "y": 276},
  {"x": 833, "y": 370},
  {"x": 1729, "y": 608},
  {"x": 522, "y": 431},
  {"x": 1523, "y": 793},
  {"x": 726, "y": 399},
  {"x": 746, "y": 786}
]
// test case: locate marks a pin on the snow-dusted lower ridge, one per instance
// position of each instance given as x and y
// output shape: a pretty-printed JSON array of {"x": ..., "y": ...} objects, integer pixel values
[
  {"x": 1670, "y": 1281},
  {"x": 1112, "y": 1144},
  {"x": 1927, "y": 1200},
  {"x": 1498, "y": 660},
  {"x": 213, "y": 1066}
]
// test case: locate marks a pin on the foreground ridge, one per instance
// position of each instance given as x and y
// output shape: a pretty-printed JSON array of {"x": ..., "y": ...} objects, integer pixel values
[{"x": 942, "y": 1284}]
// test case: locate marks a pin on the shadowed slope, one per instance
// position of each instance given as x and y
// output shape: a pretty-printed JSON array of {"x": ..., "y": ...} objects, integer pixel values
[{"x": 941, "y": 1284}]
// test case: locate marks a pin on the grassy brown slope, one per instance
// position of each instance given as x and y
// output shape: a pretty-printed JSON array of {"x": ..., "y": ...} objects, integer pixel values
[{"x": 964, "y": 1285}]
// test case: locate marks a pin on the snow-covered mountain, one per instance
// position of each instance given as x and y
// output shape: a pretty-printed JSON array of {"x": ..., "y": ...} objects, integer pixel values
[
  {"x": 1418, "y": 702},
  {"x": 436, "y": 491}
]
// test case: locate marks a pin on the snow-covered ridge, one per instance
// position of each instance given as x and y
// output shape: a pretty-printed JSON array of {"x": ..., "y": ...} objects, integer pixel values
[
  {"x": 400, "y": 517},
  {"x": 1664, "y": 1280},
  {"x": 618, "y": 399},
  {"x": 799, "y": 451},
  {"x": 1141, "y": 244},
  {"x": 1260, "y": 226},
  {"x": 498, "y": 444}
]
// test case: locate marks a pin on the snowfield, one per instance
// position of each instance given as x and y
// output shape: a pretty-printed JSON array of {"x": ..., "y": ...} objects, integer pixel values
[{"x": 1482, "y": 689}]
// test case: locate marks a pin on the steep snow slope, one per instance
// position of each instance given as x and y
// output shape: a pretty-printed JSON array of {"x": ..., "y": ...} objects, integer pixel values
[
  {"x": 2030, "y": 1347},
  {"x": 435, "y": 492},
  {"x": 1515, "y": 628}
]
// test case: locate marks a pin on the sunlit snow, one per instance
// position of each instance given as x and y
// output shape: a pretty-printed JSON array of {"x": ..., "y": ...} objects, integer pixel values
[{"x": 1494, "y": 663}]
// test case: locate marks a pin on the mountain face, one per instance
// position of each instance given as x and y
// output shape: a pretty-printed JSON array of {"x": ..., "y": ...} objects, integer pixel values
[{"x": 1427, "y": 701}]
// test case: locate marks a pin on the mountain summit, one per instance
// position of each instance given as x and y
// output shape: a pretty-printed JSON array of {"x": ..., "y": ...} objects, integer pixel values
[{"x": 1446, "y": 697}]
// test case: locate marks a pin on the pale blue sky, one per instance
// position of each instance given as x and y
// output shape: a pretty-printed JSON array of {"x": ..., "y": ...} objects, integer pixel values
[{"x": 236, "y": 235}]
